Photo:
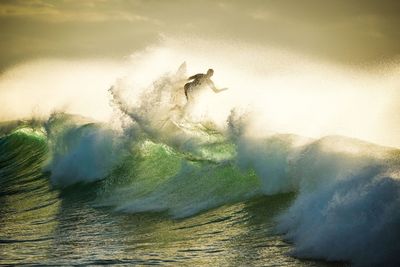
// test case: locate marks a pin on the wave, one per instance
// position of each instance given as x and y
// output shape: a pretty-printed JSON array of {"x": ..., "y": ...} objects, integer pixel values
[
  {"x": 80, "y": 151},
  {"x": 164, "y": 155}
]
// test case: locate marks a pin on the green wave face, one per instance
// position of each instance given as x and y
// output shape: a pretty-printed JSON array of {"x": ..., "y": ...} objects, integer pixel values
[{"x": 158, "y": 178}]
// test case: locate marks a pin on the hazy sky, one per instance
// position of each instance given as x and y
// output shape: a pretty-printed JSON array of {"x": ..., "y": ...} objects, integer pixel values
[{"x": 347, "y": 31}]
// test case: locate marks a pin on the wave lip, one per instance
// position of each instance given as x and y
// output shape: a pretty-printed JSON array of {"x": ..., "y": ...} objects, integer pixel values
[{"x": 80, "y": 151}]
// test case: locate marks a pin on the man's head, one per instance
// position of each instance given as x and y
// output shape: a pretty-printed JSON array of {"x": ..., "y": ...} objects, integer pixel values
[{"x": 210, "y": 72}]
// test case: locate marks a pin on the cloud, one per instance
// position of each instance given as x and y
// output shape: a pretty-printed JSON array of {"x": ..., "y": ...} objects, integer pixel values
[{"x": 63, "y": 11}]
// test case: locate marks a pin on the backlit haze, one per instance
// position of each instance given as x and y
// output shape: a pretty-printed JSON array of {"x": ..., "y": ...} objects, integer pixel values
[{"x": 312, "y": 68}]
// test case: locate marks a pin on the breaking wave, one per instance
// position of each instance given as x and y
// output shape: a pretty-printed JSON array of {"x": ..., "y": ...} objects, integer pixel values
[{"x": 163, "y": 154}]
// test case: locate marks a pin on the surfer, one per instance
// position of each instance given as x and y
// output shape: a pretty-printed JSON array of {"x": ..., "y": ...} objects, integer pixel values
[{"x": 201, "y": 79}]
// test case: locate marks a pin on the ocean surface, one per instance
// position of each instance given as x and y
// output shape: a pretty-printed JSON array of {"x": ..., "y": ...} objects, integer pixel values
[
  {"x": 180, "y": 219},
  {"x": 161, "y": 189}
]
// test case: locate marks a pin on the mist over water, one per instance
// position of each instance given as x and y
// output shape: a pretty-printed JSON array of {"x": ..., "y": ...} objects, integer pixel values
[
  {"x": 295, "y": 150},
  {"x": 287, "y": 93}
]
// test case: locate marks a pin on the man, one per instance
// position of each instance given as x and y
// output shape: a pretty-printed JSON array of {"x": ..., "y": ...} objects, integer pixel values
[{"x": 199, "y": 80}]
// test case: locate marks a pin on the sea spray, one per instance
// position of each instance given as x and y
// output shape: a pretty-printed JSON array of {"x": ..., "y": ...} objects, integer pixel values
[
  {"x": 348, "y": 206},
  {"x": 347, "y": 190},
  {"x": 348, "y": 202}
]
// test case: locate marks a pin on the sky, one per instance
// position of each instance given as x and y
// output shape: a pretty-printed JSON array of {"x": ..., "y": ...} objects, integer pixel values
[{"x": 344, "y": 31}]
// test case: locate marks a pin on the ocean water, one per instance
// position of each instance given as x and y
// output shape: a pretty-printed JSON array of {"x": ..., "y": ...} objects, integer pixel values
[
  {"x": 43, "y": 224},
  {"x": 161, "y": 188}
]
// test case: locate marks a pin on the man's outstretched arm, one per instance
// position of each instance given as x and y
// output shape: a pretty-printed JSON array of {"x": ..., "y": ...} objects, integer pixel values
[{"x": 215, "y": 89}]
